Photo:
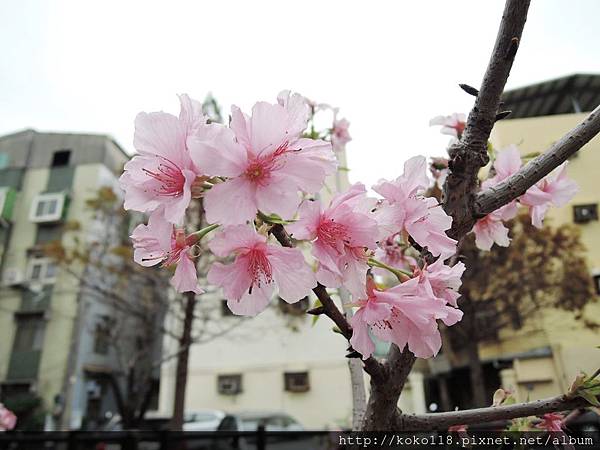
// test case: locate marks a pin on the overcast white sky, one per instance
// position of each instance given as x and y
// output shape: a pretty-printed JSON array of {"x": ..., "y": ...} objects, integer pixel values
[{"x": 389, "y": 65}]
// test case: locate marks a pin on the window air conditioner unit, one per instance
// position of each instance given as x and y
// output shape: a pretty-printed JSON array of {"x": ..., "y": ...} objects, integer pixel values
[{"x": 12, "y": 277}]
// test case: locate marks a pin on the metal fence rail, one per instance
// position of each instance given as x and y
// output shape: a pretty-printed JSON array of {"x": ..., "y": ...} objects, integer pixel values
[{"x": 168, "y": 440}]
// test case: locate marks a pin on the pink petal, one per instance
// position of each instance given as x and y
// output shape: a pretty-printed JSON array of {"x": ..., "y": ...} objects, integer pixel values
[
  {"x": 174, "y": 210},
  {"x": 235, "y": 278},
  {"x": 279, "y": 196},
  {"x": 233, "y": 238},
  {"x": 252, "y": 304},
  {"x": 186, "y": 277},
  {"x": 217, "y": 153},
  {"x": 231, "y": 203},
  {"x": 306, "y": 226},
  {"x": 162, "y": 134},
  {"x": 268, "y": 128},
  {"x": 293, "y": 276},
  {"x": 360, "y": 340}
]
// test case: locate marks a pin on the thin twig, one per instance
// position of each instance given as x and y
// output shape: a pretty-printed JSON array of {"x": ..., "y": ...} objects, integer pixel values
[{"x": 372, "y": 366}]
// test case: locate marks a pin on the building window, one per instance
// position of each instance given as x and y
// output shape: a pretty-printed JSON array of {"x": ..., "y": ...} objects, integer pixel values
[
  {"x": 295, "y": 309},
  {"x": 229, "y": 384},
  {"x": 61, "y": 158},
  {"x": 585, "y": 213},
  {"x": 102, "y": 335},
  {"x": 296, "y": 381},
  {"x": 42, "y": 270},
  {"x": 47, "y": 207},
  {"x": 30, "y": 333},
  {"x": 597, "y": 283}
]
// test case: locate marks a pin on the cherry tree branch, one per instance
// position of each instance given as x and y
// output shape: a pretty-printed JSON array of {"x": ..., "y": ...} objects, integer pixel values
[
  {"x": 441, "y": 421},
  {"x": 372, "y": 366},
  {"x": 469, "y": 154},
  {"x": 536, "y": 169}
]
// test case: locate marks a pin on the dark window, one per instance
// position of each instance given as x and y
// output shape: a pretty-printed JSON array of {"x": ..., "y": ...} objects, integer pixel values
[
  {"x": 229, "y": 384},
  {"x": 102, "y": 336},
  {"x": 597, "y": 283},
  {"x": 294, "y": 309},
  {"x": 61, "y": 158},
  {"x": 585, "y": 213},
  {"x": 296, "y": 381},
  {"x": 30, "y": 333}
]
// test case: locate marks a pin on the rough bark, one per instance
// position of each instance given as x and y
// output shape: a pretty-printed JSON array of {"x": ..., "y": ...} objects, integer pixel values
[
  {"x": 382, "y": 407},
  {"x": 470, "y": 154},
  {"x": 182, "y": 363},
  {"x": 443, "y": 420}
]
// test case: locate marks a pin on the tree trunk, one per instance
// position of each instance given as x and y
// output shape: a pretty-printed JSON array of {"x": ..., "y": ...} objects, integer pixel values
[
  {"x": 182, "y": 363},
  {"x": 476, "y": 375}
]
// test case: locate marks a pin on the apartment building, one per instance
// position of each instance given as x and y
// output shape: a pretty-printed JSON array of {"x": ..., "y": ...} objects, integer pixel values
[
  {"x": 53, "y": 335},
  {"x": 541, "y": 356}
]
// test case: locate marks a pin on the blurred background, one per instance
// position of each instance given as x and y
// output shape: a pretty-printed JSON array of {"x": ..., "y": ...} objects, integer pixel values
[{"x": 90, "y": 341}]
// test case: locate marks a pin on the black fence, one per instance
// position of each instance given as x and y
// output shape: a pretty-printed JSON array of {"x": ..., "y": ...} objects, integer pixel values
[{"x": 169, "y": 440}]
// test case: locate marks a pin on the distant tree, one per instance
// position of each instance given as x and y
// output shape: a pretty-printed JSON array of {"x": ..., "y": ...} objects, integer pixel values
[
  {"x": 541, "y": 269},
  {"x": 143, "y": 309}
]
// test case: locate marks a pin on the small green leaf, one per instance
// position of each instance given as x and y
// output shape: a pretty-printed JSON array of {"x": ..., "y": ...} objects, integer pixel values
[
  {"x": 589, "y": 397},
  {"x": 316, "y": 305}
]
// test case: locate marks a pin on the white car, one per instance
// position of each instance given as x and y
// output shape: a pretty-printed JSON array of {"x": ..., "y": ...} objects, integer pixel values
[{"x": 203, "y": 420}]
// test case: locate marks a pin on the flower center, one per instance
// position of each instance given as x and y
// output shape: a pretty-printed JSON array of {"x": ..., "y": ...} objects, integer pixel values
[
  {"x": 169, "y": 176},
  {"x": 334, "y": 234},
  {"x": 259, "y": 169},
  {"x": 259, "y": 268}
]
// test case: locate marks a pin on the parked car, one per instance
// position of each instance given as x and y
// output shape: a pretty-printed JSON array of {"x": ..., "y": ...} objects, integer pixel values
[
  {"x": 203, "y": 420},
  {"x": 272, "y": 422}
]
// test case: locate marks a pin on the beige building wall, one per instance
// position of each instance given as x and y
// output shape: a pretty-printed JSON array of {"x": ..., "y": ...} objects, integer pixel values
[{"x": 573, "y": 347}]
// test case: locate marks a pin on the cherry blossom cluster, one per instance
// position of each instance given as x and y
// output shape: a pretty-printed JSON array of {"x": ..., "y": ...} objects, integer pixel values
[
  {"x": 8, "y": 419},
  {"x": 266, "y": 168},
  {"x": 553, "y": 190}
]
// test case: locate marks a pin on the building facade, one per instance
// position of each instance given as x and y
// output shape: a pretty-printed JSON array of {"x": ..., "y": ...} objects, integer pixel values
[
  {"x": 542, "y": 356},
  {"x": 53, "y": 333}
]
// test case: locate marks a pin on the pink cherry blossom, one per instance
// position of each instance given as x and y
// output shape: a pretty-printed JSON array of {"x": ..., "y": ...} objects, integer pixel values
[
  {"x": 552, "y": 422},
  {"x": 392, "y": 252},
  {"x": 491, "y": 230},
  {"x": 453, "y": 125},
  {"x": 404, "y": 315},
  {"x": 341, "y": 234},
  {"x": 161, "y": 175},
  {"x": 406, "y": 209},
  {"x": 340, "y": 135},
  {"x": 266, "y": 161},
  {"x": 248, "y": 283},
  {"x": 507, "y": 163},
  {"x": 555, "y": 189},
  {"x": 443, "y": 280},
  {"x": 161, "y": 242},
  {"x": 8, "y": 419}
]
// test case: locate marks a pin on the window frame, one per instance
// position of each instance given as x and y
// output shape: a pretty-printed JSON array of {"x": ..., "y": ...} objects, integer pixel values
[
  {"x": 290, "y": 385},
  {"x": 47, "y": 216},
  {"x": 44, "y": 264}
]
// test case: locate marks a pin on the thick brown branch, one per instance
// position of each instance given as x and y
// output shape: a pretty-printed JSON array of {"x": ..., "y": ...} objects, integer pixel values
[
  {"x": 516, "y": 185},
  {"x": 470, "y": 153},
  {"x": 441, "y": 421},
  {"x": 372, "y": 366}
]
